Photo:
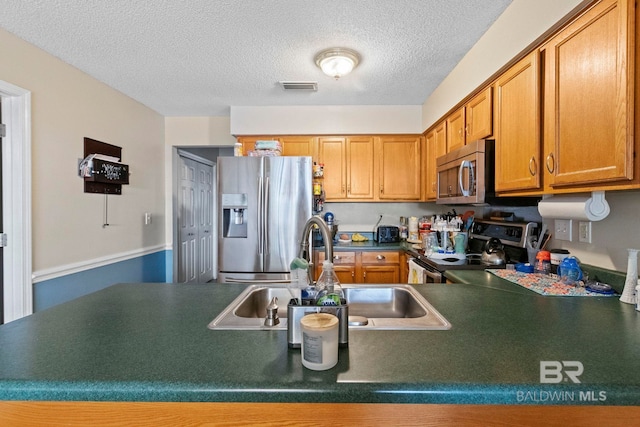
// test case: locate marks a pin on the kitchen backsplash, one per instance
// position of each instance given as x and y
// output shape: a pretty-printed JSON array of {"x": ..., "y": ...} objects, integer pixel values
[{"x": 362, "y": 217}]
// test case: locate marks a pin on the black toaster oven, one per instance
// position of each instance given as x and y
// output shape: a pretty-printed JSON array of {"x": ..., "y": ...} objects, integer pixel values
[{"x": 387, "y": 234}]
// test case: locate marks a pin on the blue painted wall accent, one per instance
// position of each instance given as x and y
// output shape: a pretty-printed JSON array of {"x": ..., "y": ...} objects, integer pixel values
[{"x": 147, "y": 268}]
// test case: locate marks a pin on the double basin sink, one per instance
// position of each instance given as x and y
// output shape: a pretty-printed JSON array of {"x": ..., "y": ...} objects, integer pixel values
[{"x": 371, "y": 307}]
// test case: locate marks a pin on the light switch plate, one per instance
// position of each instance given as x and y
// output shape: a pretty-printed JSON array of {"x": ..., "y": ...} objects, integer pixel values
[
  {"x": 584, "y": 233},
  {"x": 562, "y": 229},
  {"x": 147, "y": 218}
]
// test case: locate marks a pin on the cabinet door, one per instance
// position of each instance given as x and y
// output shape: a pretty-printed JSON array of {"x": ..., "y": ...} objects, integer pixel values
[
  {"x": 360, "y": 167},
  {"x": 518, "y": 126},
  {"x": 380, "y": 274},
  {"x": 344, "y": 264},
  {"x": 298, "y": 146},
  {"x": 588, "y": 106},
  {"x": 345, "y": 273},
  {"x": 332, "y": 152},
  {"x": 479, "y": 116},
  {"x": 436, "y": 144},
  {"x": 399, "y": 171},
  {"x": 455, "y": 130},
  {"x": 380, "y": 267}
]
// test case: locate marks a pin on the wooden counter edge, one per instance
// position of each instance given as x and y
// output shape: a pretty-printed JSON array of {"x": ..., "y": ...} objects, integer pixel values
[{"x": 32, "y": 413}]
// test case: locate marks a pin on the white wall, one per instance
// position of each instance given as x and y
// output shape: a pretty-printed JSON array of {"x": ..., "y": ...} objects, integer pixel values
[
  {"x": 68, "y": 105},
  {"x": 189, "y": 132},
  {"x": 611, "y": 237},
  {"x": 328, "y": 119},
  {"x": 519, "y": 26}
]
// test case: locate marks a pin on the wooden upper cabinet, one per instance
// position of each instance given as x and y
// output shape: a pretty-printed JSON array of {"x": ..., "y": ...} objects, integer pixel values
[
  {"x": 472, "y": 121},
  {"x": 298, "y": 146},
  {"x": 479, "y": 116},
  {"x": 435, "y": 146},
  {"x": 291, "y": 145},
  {"x": 456, "y": 130},
  {"x": 399, "y": 167},
  {"x": 588, "y": 119},
  {"x": 332, "y": 152},
  {"x": 517, "y": 133},
  {"x": 348, "y": 167},
  {"x": 360, "y": 167}
]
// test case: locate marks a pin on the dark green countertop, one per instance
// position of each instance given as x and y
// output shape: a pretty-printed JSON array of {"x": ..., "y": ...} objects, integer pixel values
[{"x": 150, "y": 342}]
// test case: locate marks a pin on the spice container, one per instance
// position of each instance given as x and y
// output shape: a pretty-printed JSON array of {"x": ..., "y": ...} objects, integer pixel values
[{"x": 319, "y": 341}]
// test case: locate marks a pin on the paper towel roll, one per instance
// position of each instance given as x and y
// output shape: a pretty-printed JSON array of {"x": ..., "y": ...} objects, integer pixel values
[{"x": 594, "y": 208}]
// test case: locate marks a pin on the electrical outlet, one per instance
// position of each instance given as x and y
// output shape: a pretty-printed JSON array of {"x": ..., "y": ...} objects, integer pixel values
[
  {"x": 563, "y": 229},
  {"x": 585, "y": 232}
]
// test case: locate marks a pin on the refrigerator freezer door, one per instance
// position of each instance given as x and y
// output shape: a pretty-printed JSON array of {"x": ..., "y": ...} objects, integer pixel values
[
  {"x": 239, "y": 214},
  {"x": 288, "y": 204}
]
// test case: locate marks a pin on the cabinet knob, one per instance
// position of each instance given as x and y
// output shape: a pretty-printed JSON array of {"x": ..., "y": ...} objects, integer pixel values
[
  {"x": 532, "y": 166},
  {"x": 336, "y": 257},
  {"x": 381, "y": 257},
  {"x": 551, "y": 163}
]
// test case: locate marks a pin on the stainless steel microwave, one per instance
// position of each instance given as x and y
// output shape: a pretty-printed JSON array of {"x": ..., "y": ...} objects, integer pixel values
[{"x": 466, "y": 177}]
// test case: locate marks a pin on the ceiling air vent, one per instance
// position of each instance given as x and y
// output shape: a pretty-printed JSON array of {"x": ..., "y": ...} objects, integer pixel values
[{"x": 299, "y": 86}]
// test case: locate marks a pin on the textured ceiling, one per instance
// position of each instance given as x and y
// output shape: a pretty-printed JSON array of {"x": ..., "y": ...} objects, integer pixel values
[{"x": 199, "y": 57}]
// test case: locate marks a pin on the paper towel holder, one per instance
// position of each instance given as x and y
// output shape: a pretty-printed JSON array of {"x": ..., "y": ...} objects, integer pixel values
[{"x": 594, "y": 208}]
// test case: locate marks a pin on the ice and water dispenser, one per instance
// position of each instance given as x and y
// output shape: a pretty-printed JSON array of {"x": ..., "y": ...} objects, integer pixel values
[{"x": 234, "y": 215}]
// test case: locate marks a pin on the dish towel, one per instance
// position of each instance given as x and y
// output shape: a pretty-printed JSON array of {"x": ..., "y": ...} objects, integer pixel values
[
  {"x": 416, "y": 273},
  {"x": 544, "y": 284}
]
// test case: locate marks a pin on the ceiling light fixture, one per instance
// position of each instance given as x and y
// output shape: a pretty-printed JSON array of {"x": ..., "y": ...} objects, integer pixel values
[{"x": 337, "y": 61}]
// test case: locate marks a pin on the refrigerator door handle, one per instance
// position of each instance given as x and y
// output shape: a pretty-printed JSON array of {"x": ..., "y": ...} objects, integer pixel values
[
  {"x": 256, "y": 281},
  {"x": 260, "y": 216},
  {"x": 265, "y": 216}
]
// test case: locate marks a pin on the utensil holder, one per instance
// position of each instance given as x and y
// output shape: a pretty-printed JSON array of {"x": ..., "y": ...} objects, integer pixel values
[{"x": 295, "y": 312}]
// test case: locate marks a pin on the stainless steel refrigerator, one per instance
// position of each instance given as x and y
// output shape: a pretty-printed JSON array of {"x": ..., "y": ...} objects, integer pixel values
[{"x": 263, "y": 204}]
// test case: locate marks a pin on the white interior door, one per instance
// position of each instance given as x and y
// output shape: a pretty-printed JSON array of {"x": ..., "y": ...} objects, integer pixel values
[
  {"x": 195, "y": 221},
  {"x": 204, "y": 216},
  {"x": 188, "y": 227}
]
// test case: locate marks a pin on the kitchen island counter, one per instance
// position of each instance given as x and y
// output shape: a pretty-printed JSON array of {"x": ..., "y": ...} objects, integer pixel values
[{"x": 150, "y": 343}]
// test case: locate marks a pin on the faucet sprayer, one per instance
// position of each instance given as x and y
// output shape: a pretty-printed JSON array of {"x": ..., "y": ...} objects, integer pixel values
[{"x": 304, "y": 242}]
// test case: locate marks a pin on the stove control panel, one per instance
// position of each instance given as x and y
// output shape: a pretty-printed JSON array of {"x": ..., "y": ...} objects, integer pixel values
[{"x": 509, "y": 233}]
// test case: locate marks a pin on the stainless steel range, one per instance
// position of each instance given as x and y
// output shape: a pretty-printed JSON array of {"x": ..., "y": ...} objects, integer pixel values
[{"x": 513, "y": 236}]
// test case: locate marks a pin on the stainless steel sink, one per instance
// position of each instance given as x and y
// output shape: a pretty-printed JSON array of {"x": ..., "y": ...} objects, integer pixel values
[{"x": 391, "y": 307}]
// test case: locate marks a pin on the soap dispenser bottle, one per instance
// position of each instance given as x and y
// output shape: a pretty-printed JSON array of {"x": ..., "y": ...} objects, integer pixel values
[{"x": 329, "y": 291}]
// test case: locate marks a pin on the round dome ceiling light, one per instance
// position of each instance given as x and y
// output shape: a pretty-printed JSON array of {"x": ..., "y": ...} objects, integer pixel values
[{"x": 337, "y": 61}]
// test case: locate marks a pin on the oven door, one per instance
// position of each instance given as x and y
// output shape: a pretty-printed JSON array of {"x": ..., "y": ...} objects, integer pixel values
[{"x": 421, "y": 272}]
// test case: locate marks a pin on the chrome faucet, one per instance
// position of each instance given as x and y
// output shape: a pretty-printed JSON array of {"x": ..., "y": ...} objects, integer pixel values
[{"x": 326, "y": 236}]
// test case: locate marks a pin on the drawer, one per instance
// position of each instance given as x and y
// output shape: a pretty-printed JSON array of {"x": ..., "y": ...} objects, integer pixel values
[
  {"x": 380, "y": 257},
  {"x": 339, "y": 258}
]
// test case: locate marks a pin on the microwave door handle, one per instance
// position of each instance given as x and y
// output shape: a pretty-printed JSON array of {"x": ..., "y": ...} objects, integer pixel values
[
  {"x": 466, "y": 164},
  {"x": 265, "y": 216}
]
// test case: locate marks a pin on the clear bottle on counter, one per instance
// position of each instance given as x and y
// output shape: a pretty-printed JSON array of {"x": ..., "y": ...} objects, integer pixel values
[
  {"x": 404, "y": 229},
  {"x": 543, "y": 263},
  {"x": 329, "y": 291}
]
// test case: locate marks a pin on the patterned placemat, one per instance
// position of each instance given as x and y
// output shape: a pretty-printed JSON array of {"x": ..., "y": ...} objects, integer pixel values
[{"x": 545, "y": 285}]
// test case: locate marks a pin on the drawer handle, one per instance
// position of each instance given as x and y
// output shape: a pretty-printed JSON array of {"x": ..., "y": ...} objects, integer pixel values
[
  {"x": 336, "y": 257},
  {"x": 381, "y": 257}
]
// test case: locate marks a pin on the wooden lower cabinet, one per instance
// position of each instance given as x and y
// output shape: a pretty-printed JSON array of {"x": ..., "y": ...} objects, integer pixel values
[{"x": 363, "y": 266}]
